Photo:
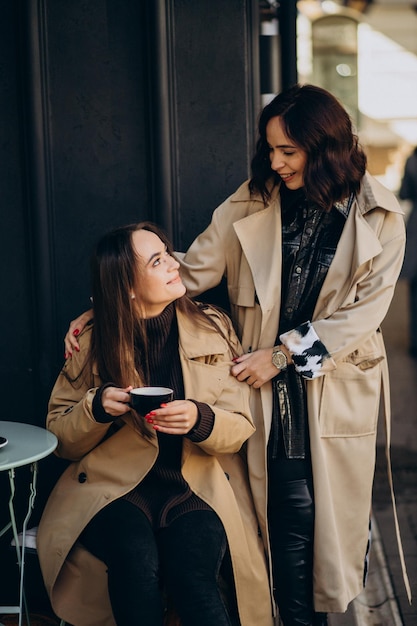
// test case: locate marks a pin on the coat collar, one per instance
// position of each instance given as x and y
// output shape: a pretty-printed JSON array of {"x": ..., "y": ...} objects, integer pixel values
[
  {"x": 194, "y": 342},
  {"x": 259, "y": 234},
  {"x": 373, "y": 194},
  {"x": 359, "y": 243}
]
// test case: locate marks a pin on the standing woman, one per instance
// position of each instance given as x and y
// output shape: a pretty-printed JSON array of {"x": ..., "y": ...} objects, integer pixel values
[
  {"x": 160, "y": 501},
  {"x": 311, "y": 247}
]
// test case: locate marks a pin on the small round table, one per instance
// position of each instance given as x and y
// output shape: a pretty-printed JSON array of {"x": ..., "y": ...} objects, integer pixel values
[{"x": 26, "y": 445}]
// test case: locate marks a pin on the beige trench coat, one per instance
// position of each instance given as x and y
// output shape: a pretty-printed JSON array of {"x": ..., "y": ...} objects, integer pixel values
[
  {"x": 243, "y": 242},
  {"x": 104, "y": 470}
]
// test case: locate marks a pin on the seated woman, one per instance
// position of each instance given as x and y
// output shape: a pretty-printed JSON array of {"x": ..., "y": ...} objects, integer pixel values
[{"x": 151, "y": 506}]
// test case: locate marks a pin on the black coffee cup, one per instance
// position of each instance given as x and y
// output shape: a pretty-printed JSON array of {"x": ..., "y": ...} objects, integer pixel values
[{"x": 146, "y": 399}]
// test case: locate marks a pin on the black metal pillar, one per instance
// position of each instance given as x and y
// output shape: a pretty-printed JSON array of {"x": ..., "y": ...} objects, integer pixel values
[
  {"x": 288, "y": 36},
  {"x": 162, "y": 113}
]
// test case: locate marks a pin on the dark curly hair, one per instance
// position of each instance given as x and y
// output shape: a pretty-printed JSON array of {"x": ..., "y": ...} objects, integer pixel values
[{"x": 318, "y": 124}]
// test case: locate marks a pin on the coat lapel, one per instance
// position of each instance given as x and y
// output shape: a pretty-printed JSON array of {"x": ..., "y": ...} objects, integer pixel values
[
  {"x": 358, "y": 245},
  {"x": 195, "y": 342},
  {"x": 260, "y": 238}
]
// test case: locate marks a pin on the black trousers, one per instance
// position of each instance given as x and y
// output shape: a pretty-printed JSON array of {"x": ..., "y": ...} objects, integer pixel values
[
  {"x": 291, "y": 527},
  {"x": 186, "y": 556}
]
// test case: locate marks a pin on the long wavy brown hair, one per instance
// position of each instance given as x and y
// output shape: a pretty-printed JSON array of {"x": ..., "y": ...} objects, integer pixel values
[{"x": 318, "y": 124}]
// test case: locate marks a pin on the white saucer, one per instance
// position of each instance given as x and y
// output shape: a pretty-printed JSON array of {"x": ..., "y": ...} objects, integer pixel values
[{"x": 3, "y": 442}]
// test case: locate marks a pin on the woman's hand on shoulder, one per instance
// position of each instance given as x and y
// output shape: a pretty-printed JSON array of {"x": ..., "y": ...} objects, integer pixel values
[
  {"x": 255, "y": 368},
  {"x": 75, "y": 328},
  {"x": 174, "y": 418}
]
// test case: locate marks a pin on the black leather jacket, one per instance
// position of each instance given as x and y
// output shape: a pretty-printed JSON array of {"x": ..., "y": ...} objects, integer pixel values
[{"x": 309, "y": 240}]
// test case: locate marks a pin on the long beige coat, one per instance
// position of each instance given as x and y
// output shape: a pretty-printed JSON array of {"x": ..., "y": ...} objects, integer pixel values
[
  {"x": 103, "y": 470},
  {"x": 243, "y": 242}
]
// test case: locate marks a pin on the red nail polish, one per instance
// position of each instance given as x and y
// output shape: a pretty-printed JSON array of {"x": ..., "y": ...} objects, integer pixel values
[
  {"x": 149, "y": 421},
  {"x": 65, "y": 355},
  {"x": 163, "y": 405},
  {"x": 76, "y": 332},
  {"x": 77, "y": 348},
  {"x": 155, "y": 427}
]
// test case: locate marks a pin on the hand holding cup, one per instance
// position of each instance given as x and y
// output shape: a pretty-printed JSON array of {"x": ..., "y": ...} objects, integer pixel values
[{"x": 146, "y": 399}]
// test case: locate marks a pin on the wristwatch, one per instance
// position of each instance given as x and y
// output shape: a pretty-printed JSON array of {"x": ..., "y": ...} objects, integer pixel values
[{"x": 279, "y": 358}]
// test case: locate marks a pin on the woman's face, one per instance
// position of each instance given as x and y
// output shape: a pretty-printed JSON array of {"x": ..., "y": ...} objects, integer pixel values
[
  {"x": 159, "y": 279},
  {"x": 287, "y": 159}
]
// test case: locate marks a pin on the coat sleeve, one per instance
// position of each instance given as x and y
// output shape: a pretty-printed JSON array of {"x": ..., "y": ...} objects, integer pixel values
[
  {"x": 204, "y": 264},
  {"x": 348, "y": 328},
  {"x": 233, "y": 423},
  {"x": 70, "y": 415}
]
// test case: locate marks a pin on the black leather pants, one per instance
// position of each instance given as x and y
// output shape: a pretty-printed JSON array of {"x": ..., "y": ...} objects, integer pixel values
[{"x": 291, "y": 527}]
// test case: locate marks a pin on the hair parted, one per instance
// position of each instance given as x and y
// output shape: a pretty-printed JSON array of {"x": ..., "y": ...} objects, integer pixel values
[{"x": 318, "y": 124}]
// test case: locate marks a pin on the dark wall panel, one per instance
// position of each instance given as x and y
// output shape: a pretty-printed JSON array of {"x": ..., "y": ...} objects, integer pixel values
[
  {"x": 84, "y": 116},
  {"x": 16, "y": 322},
  {"x": 214, "y": 105},
  {"x": 96, "y": 58}
]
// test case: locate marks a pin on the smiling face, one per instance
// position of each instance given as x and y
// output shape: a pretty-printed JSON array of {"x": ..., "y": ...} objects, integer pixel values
[
  {"x": 287, "y": 159},
  {"x": 159, "y": 281}
]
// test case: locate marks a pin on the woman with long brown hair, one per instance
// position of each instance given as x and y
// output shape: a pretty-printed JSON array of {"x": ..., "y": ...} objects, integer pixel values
[{"x": 154, "y": 507}]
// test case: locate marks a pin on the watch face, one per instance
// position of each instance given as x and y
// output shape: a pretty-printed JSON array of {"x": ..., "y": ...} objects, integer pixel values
[{"x": 279, "y": 359}]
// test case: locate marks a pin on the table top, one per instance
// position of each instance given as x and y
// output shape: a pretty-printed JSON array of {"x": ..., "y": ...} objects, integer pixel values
[{"x": 26, "y": 444}]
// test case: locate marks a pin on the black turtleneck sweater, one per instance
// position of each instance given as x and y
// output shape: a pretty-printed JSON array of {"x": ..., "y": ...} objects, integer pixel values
[{"x": 163, "y": 495}]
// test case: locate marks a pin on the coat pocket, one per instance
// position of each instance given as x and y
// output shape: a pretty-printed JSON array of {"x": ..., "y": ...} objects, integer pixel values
[
  {"x": 350, "y": 401},
  {"x": 242, "y": 296},
  {"x": 206, "y": 382}
]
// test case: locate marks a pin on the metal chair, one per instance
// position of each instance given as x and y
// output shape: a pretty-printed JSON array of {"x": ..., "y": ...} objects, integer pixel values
[{"x": 30, "y": 548}]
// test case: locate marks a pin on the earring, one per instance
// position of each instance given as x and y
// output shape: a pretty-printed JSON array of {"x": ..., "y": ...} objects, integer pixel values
[{"x": 132, "y": 295}]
